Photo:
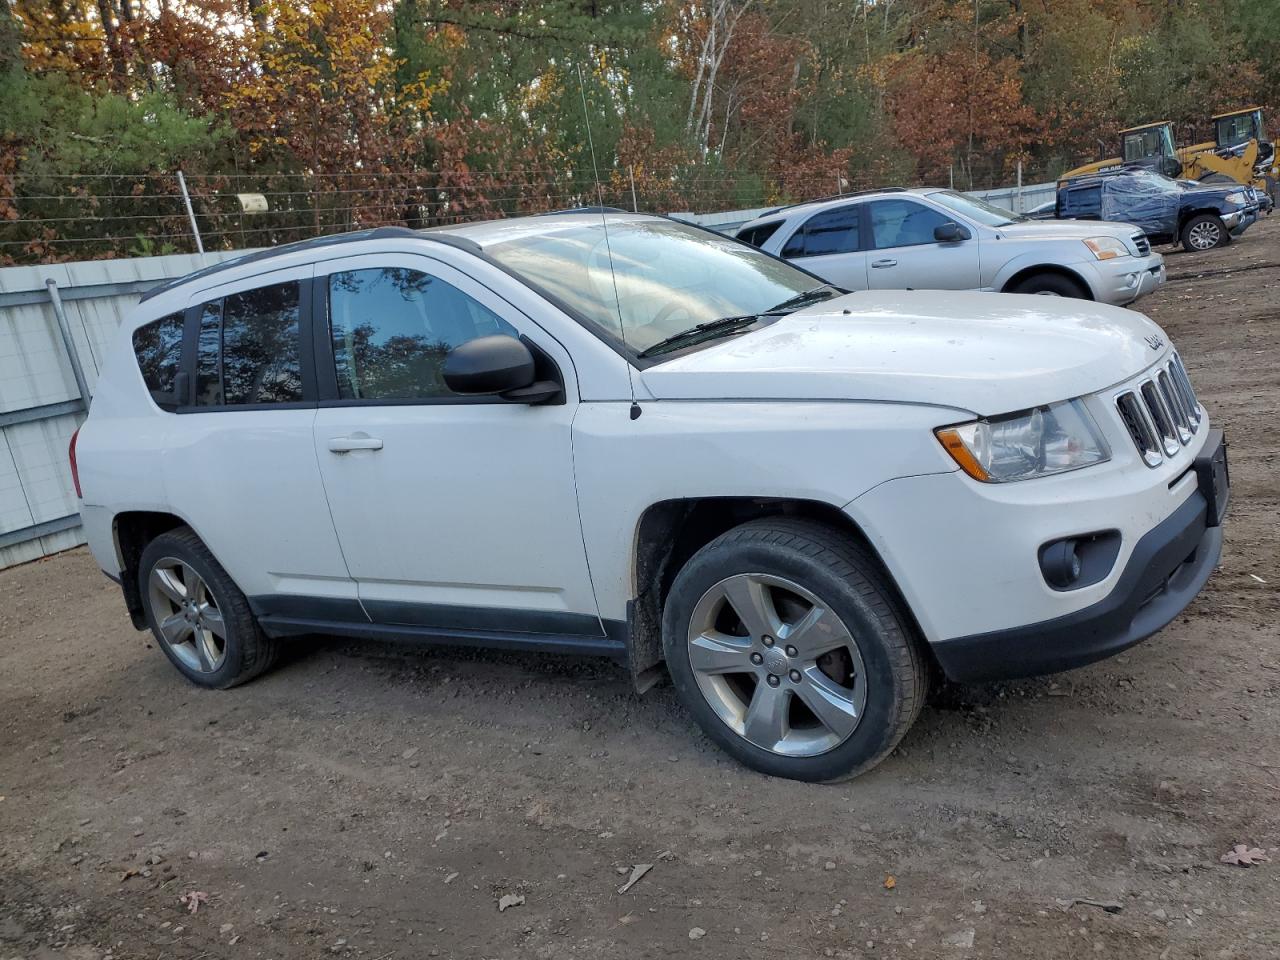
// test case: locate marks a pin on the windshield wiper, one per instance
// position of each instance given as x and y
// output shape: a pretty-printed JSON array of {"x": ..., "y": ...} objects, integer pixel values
[
  {"x": 816, "y": 295},
  {"x": 707, "y": 330}
]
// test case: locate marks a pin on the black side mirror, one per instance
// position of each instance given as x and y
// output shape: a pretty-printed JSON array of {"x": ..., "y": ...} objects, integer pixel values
[
  {"x": 950, "y": 232},
  {"x": 499, "y": 365}
]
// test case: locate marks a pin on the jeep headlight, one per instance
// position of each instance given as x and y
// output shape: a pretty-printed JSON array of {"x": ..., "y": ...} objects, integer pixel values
[
  {"x": 1031, "y": 443},
  {"x": 1107, "y": 248}
]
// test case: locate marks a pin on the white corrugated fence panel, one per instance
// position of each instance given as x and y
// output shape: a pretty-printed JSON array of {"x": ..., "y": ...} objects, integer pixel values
[{"x": 35, "y": 477}]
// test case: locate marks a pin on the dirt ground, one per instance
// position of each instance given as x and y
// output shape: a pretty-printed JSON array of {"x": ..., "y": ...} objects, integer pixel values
[{"x": 376, "y": 802}]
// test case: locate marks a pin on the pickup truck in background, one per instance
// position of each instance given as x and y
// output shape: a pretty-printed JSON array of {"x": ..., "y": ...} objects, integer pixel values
[{"x": 1199, "y": 216}]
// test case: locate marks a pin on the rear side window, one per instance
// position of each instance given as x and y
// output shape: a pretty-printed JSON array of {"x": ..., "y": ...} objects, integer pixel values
[
  {"x": 832, "y": 231},
  {"x": 247, "y": 348},
  {"x": 158, "y": 347},
  {"x": 758, "y": 235},
  {"x": 392, "y": 329}
]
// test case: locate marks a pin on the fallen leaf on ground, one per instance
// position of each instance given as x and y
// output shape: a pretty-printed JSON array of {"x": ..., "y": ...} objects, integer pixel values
[
  {"x": 638, "y": 871},
  {"x": 510, "y": 900},
  {"x": 131, "y": 872},
  {"x": 192, "y": 900},
  {"x": 890, "y": 882},
  {"x": 1243, "y": 855}
]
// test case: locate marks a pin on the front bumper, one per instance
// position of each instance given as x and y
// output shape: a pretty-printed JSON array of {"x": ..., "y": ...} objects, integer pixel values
[
  {"x": 1166, "y": 570},
  {"x": 1123, "y": 280},
  {"x": 1237, "y": 223},
  {"x": 965, "y": 555}
]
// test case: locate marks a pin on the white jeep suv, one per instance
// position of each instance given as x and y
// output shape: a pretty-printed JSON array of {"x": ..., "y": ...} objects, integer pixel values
[
  {"x": 929, "y": 239},
  {"x": 616, "y": 434}
]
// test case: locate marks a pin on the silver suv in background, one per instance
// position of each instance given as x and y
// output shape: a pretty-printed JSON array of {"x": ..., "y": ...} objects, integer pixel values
[{"x": 931, "y": 239}]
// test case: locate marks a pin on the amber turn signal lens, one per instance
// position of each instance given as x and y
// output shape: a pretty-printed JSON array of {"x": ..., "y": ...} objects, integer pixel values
[{"x": 951, "y": 442}]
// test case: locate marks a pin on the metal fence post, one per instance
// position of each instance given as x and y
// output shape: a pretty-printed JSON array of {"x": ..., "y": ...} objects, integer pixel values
[
  {"x": 191, "y": 214},
  {"x": 631, "y": 174},
  {"x": 64, "y": 328},
  {"x": 1018, "y": 208}
]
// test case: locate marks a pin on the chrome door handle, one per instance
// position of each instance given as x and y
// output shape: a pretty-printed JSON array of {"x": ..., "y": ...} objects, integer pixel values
[
  {"x": 884, "y": 263},
  {"x": 347, "y": 444}
]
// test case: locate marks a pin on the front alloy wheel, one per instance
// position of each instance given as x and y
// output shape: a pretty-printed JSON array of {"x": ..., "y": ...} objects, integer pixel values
[
  {"x": 778, "y": 667},
  {"x": 790, "y": 648},
  {"x": 1204, "y": 232}
]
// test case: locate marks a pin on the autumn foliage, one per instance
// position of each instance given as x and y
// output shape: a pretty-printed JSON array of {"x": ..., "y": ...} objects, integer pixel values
[{"x": 350, "y": 113}]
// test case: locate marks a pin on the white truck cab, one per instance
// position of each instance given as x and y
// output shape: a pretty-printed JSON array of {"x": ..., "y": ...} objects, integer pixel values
[{"x": 616, "y": 434}]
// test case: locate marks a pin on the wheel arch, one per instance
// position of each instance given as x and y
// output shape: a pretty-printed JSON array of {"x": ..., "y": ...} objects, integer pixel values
[
  {"x": 670, "y": 532},
  {"x": 1025, "y": 273},
  {"x": 132, "y": 530}
]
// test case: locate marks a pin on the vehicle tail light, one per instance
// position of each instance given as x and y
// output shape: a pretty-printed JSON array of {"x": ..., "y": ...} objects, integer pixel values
[{"x": 75, "y": 469}]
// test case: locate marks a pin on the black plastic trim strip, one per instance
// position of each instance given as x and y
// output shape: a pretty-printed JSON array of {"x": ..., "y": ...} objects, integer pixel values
[
  {"x": 443, "y": 616},
  {"x": 308, "y": 608},
  {"x": 604, "y": 646}
]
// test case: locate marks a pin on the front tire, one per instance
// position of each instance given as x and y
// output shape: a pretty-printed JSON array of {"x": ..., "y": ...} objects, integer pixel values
[
  {"x": 198, "y": 615},
  {"x": 1051, "y": 285},
  {"x": 1203, "y": 232},
  {"x": 790, "y": 649}
]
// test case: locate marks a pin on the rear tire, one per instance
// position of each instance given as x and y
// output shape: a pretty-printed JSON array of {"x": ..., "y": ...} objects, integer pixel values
[
  {"x": 1051, "y": 285},
  {"x": 821, "y": 620},
  {"x": 1203, "y": 232},
  {"x": 198, "y": 615}
]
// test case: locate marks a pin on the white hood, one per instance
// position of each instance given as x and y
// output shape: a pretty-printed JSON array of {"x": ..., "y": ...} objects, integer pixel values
[{"x": 988, "y": 353}]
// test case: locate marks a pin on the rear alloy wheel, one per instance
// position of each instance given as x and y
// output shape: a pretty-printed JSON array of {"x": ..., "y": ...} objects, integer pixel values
[
  {"x": 1204, "y": 231},
  {"x": 187, "y": 615},
  {"x": 788, "y": 647},
  {"x": 198, "y": 615}
]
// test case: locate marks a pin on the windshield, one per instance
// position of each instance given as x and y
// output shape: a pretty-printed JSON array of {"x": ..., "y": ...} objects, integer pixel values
[
  {"x": 669, "y": 276},
  {"x": 1233, "y": 131},
  {"x": 1148, "y": 143},
  {"x": 985, "y": 213}
]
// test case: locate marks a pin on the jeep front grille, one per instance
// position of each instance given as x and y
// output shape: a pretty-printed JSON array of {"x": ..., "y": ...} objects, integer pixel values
[
  {"x": 1142, "y": 243},
  {"x": 1161, "y": 413}
]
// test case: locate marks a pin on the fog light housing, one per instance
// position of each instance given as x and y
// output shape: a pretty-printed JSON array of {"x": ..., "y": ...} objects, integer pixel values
[
  {"x": 1060, "y": 564},
  {"x": 1080, "y": 561}
]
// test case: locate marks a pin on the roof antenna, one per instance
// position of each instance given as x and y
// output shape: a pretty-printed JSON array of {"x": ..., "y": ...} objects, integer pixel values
[{"x": 604, "y": 224}]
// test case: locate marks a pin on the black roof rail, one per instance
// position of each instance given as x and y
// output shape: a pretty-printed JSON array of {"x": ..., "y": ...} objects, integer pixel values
[
  {"x": 373, "y": 233},
  {"x": 352, "y": 236},
  {"x": 834, "y": 196},
  {"x": 552, "y": 213}
]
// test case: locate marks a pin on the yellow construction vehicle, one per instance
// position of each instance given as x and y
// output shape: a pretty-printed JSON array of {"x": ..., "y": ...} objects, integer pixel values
[
  {"x": 1149, "y": 146},
  {"x": 1240, "y": 152}
]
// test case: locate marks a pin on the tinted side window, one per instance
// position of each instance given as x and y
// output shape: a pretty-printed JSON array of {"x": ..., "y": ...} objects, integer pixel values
[
  {"x": 158, "y": 347},
  {"x": 759, "y": 234},
  {"x": 1080, "y": 201},
  {"x": 903, "y": 223},
  {"x": 248, "y": 348},
  {"x": 832, "y": 231},
  {"x": 392, "y": 329}
]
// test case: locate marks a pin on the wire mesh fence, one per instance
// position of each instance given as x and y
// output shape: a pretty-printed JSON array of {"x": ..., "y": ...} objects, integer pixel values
[{"x": 52, "y": 218}]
